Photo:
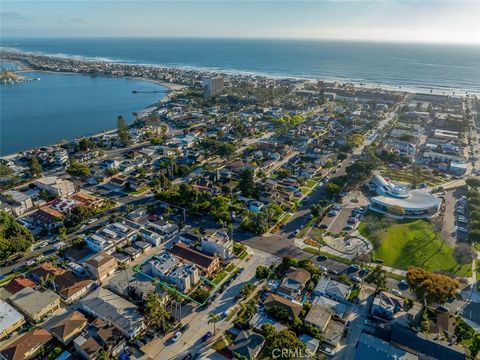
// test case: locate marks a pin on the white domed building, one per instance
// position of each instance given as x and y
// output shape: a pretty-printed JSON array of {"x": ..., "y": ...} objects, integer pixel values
[{"x": 400, "y": 201}]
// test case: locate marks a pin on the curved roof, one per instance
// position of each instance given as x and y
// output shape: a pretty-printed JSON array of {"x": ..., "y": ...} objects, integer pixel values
[{"x": 418, "y": 200}]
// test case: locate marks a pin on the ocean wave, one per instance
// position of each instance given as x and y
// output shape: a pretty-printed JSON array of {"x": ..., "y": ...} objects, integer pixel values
[{"x": 398, "y": 83}]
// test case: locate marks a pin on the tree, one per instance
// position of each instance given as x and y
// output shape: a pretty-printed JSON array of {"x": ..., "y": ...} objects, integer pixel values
[
  {"x": 155, "y": 312},
  {"x": 396, "y": 210},
  {"x": 247, "y": 183},
  {"x": 5, "y": 170},
  {"x": 473, "y": 182},
  {"x": 79, "y": 170},
  {"x": 62, "y": 232},
  {"x": 213, "y": 319},
  {"x": 263, "y": 272},
  {"x": 286, "y": 340},
  {"x": 200, "y": 295},
  {"x": 464, "y": 254},
  {"x": 35, "y": 167},
  {"x": 333, "y": 189},
  {"x": 123, "y": 131},
  {"x": 14, "y": 237},
  {"x": 431, "y": 287},
  {"x": 475, "y": 345},
  {"x": 378, "y": 277},
  {"x": 247, "y": 289}
]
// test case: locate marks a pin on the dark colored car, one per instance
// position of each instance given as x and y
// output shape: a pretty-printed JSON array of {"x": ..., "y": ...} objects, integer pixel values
[{"x": 207, "y": 336}]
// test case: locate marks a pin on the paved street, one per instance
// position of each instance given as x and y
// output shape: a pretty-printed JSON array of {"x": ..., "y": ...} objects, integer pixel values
[{"x": 190, "y": 342}]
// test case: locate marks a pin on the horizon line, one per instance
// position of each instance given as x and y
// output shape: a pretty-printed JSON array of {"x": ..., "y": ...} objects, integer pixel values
[{"x": 319, "y": 39}]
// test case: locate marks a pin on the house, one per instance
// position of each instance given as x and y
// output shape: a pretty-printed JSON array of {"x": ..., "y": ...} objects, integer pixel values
[
  {"x": 101, "y": 265},
  {"x": 19, "y": 202},
  {"x": 373, "y": 348},
  {"x": 189, "y": 238},
  {"x": 293, "y": 283},
  {"x": 87, "y": 346},
  {"x": 273, "y": 300},
  {"x": 218, "y": 244},
  {"x": 207, "y": 264},
  {"x": 111, "y": 339},
  {"x": 169, "y": 268},
  {"x": 48, "y": 218},
  {"x": 319, "y": 317},
  {"x": 65, "y": 282},
  {"x": 10, "y": 319},
  {"x": 19, "y": 283},
  {"x": 333, "y": 333},
  {"x": 247, "y": 344},
  {"x": 333, "y": 289},
  {"x": 26, "y": 346},
  {"x": 311, "y": 344},
  {"x": 67, "y": 326},
  {"x": 143, "y": 246},
  {"x": 129, "y": 281},
  {"x": 56, "y": 186},
  {"x": 35, "y": 304},
  {"x": 89, "y": 201},
  {"x": 258, "y": 320},
  {"x": 132, "y": 252},
  {"x": 386, "y": 305},
  {"x": 335, "y": 307},
  {"x": 110, "y": 307}
]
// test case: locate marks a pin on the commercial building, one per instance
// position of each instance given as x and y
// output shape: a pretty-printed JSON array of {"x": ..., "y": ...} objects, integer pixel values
[
  {"x": 400, "y": 202},
  {"x": 218, "y": 244},
  {"x": 10, "y": 319},
  {"x": 212, "y": 86},
  {"x": 111, "y": 308},
  {"x": 56, "y": 186}
]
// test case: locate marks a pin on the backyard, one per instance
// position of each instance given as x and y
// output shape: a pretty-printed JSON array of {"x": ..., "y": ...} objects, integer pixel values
[{"x": 401, "y": 244}]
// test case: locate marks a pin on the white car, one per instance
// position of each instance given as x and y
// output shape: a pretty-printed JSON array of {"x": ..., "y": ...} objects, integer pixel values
[
  {"x": 30, "y": 262},
  {"x": 396, "y": 292},
  {"x": 177, "y": 336}
]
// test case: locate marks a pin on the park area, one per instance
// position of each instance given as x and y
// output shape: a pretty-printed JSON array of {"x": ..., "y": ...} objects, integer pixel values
[{"x": 401, "y": 244}]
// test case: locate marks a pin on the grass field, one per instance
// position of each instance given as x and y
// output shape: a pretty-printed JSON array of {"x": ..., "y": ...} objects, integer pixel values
[{"x": 413, "y": 243}]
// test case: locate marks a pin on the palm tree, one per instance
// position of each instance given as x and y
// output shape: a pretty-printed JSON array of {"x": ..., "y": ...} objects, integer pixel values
[
  {"x": 155, "y": 311},
  {"x": 213, "y": 318}
]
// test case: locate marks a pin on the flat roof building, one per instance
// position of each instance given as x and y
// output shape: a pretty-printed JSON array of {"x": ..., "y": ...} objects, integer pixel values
[{"x": 114, "y": 309}]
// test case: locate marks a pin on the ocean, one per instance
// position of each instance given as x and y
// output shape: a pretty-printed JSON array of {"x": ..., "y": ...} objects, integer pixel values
[
  {"x": 421, "y": 67},
  {"x": 66, "y": 106}
]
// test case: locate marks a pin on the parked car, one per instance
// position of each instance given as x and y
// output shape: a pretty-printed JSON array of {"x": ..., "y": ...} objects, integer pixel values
[
  {"x": 176, "y": 336},
  {"x": 207, "y": 336},
  {"x": 396, "y": 292}
]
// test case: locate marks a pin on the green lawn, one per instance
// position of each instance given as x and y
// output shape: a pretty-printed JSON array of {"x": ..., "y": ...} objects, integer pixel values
[
  {"x": 424, "y": 176},
  {"x": 230, "y": 267},
  {"x": 220, "y": 276},
  {"x": 413, "y": 243}
]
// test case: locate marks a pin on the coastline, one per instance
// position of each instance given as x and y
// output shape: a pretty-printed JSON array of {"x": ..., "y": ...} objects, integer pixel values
[{"x": 343, "y": 83}]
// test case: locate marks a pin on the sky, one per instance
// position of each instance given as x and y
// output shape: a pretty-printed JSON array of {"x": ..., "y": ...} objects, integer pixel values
[{"x": 439, "y": 21}]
